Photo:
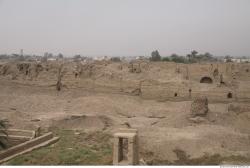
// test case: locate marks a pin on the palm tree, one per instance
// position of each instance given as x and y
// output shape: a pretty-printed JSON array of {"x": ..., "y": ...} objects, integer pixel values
[{"x": 3, "y": 133}]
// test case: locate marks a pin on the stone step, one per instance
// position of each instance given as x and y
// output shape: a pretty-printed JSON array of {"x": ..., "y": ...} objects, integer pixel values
[{"x": 27, "y": 147}]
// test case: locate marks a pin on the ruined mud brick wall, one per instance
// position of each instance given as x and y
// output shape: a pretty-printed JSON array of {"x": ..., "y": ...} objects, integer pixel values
[
  {"x": 154, "y": 80},
  {"x": 49, "y": 75},
  {"x": 154, "y": 90}
]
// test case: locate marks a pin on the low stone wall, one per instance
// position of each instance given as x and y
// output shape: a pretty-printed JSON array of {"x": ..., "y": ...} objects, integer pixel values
[
  {"x": 23, "y": 146},
  {"x": 22, "y": 133}
]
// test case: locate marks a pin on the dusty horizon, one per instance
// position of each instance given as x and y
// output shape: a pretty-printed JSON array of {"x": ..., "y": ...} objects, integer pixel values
[{"x": 125, "y": 28}]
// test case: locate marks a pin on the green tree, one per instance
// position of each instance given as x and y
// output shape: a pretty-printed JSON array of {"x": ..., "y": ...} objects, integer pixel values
[
  {"x": 77, "y": 57},
  {"x": 155, "y": 56},
  {"x": 60, "y": 55},
  {"x": 192, "y": 57},
  {"x": 165, "y": 59},
  {"x": 178, "y": 59},
  {"x": 194, "y": 53},
  {"x": 208, "y": 55}
]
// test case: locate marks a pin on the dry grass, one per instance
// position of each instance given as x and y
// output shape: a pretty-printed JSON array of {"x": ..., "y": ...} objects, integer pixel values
[{"x": 72, "y": 149}]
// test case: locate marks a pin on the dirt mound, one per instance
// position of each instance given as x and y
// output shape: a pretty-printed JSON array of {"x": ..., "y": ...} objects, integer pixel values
[
  {"x": 199, "y": 107},
  {"x": 21, "y": 69},
  {"x": 195, "y": 141},
  {"x": 85, "y": 70},
  {"x": 35, "y": 69},
  {"x": 8, "y": 69},
  {"x": 24, "y": 67},
  {"x": 87, "y": 123}
]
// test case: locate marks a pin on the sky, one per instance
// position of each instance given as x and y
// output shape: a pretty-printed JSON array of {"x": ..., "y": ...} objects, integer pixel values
[{"x": 125, "y": 27}]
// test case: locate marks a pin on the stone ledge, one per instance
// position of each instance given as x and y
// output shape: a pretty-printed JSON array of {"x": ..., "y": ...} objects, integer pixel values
[{"x": 27, "y": 146}]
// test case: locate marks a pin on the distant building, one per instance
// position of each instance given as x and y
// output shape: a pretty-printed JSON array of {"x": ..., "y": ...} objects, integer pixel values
[
  {"x": 238, "y": 60},
  {"x": 51, "y": 59},
  {"x": 100, "y": 58},
  {"x": 142, "y": 58}
]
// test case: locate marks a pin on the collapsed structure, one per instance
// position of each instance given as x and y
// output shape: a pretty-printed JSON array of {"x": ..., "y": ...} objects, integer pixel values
[
  {"x": 193, "y": 107},
  {"x": 149, "y": 80},
  {"x": 199, "y": 107}
]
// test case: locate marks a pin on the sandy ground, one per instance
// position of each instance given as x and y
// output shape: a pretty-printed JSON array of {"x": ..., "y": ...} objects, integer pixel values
[{"x": 163, "y": 126}]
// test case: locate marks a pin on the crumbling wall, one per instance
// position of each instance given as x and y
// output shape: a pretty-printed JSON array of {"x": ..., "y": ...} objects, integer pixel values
[
  {"x": 138, "y": 66},
  {"x": 199, "y": 107},
  {"x": 21, "y": 70},
  {"x": 134, "y": 68},
  {"x": 151, "y": 80}
]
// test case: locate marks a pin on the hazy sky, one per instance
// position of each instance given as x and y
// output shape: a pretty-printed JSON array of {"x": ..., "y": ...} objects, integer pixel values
[{"x": 125, "y": 27}]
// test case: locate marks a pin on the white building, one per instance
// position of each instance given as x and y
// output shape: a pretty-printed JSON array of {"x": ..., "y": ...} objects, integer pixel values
[{"x": 239, "y": 60}]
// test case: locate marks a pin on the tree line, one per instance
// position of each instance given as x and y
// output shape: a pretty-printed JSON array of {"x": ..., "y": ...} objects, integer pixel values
[{"x": 193, "y": 57}]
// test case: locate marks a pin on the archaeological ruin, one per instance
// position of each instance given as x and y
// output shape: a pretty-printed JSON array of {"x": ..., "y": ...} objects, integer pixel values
[{"x": 179, "y": 111}]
